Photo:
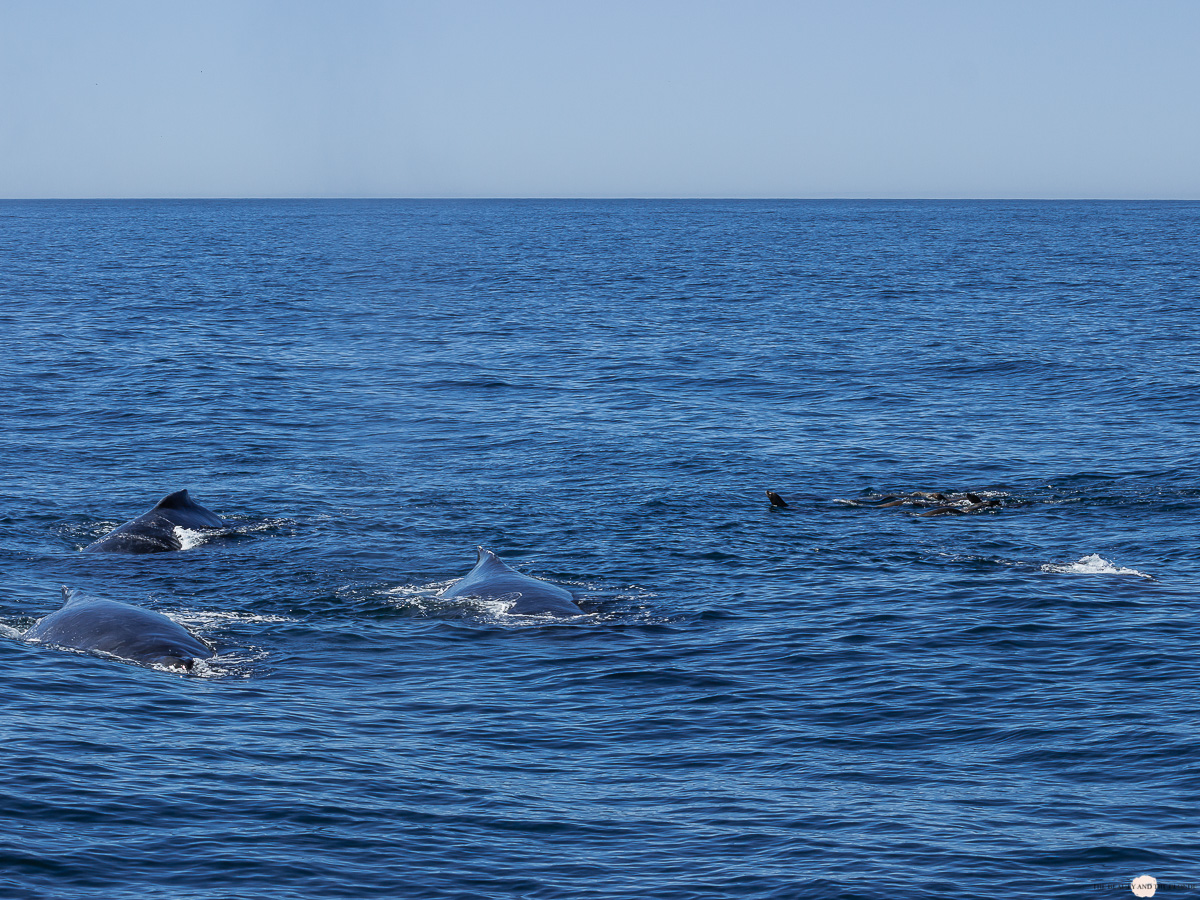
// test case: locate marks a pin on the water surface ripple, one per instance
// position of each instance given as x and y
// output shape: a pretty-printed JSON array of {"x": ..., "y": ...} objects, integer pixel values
[{"x": 830, "y": 700}]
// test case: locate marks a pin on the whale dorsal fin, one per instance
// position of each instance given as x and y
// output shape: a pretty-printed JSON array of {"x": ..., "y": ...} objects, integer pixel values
[
  {"x": 177, "y": 500},
  {"x": 70, "y": 595},
  {"x": 490, "y": 560}
]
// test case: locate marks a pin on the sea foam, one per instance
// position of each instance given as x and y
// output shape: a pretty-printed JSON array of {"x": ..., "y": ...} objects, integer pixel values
[{"x": 1093, "y": 564}]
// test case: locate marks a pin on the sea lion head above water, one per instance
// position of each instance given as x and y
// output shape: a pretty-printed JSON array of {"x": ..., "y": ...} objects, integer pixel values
[{"x": 776, "y": 500}]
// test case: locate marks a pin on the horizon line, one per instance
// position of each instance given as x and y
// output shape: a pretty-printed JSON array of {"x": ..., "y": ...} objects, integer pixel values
[{"x": 622, "y": 199}]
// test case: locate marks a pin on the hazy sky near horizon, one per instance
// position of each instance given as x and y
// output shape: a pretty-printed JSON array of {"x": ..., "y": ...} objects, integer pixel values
[{"x": 575, "y": 98}]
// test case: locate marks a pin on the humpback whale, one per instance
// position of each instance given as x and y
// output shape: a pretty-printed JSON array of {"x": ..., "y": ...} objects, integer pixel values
[
  {"x": 154, "y": 531},
  {"x": 119, "y": 629},
  {"x": 491, "y": 579}
]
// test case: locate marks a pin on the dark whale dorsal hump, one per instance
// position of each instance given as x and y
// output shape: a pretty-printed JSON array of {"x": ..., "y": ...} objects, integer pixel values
[
  {"x": 119, "y": 629},
  {"x": 155, "y": 531},
  {"x": 492, "y": 578},
  {"x": 177, "y": 500},
  {"x": 70, "y": 595},
  {"x": 180, "y": 509}
]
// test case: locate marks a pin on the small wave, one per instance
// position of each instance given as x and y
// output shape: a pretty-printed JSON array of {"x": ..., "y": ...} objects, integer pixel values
[
  {"x": 232, "y": 664},
  {"x": 235, "y": 527},
  {"x": 421, "y": 591},
  {"x": 1093, "y": 564},
  {"x": 202, "y": 619}
]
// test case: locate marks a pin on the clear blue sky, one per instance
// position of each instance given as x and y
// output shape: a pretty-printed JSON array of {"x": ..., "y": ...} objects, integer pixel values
[{"x": 574, "y": 98}]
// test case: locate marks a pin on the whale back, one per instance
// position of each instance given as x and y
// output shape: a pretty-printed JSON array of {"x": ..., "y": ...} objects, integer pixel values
[
  {"x": 130, "y": 632},
  {"x": 182, "y": 510},
  {"x": 492, "y": 579},
  {"x": 154, "y": 531}
]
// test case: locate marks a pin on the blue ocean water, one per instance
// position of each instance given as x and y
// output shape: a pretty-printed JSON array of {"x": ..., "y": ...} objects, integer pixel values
[{"x": 830, "y": 700}]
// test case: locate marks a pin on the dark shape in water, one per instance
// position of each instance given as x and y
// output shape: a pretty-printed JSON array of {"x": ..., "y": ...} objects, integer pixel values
[
  {"x": 120, "y": 629},
  {"x": 776, "y": 500},
  {"x": 491, "y": 579},
  {"x": 938, "y": 503},
  {"x": 154, "y": 531},
  {"x": 962, "y": 510}
]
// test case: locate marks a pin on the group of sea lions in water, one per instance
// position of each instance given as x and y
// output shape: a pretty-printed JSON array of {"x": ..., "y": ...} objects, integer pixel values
[
  {"x": 934, "y": 503},
  {"x": 144, "y": 636}
]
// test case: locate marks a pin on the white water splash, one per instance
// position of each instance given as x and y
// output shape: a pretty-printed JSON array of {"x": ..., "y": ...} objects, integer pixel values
[
  {"x": 8, "y": 631},
  {"x": 242, "y": 663},
  {"x": 189, "y": 539},
  {"x": 421, "y": 591},
  {"x": 1093, "y": 564}
]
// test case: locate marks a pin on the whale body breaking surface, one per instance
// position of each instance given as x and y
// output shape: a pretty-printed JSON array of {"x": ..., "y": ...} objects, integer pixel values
[
  {"x": 492, "y": 579},
  {"x": 155, "y": 531},
  {"x": 118, "y": 629}
]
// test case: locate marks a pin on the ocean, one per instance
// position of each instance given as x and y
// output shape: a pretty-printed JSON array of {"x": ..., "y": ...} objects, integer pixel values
[{"x": 840, "y": 698}]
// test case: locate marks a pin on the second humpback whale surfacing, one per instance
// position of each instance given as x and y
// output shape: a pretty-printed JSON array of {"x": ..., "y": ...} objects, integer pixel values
[
  {"x": 119, "y": 629},
  {"x": 154, "y": 531},
  {"x": 491, "y": 579}
]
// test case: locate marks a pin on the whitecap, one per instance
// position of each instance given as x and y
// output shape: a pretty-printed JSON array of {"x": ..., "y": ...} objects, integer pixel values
[{"x": 1093, "y": 564}]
